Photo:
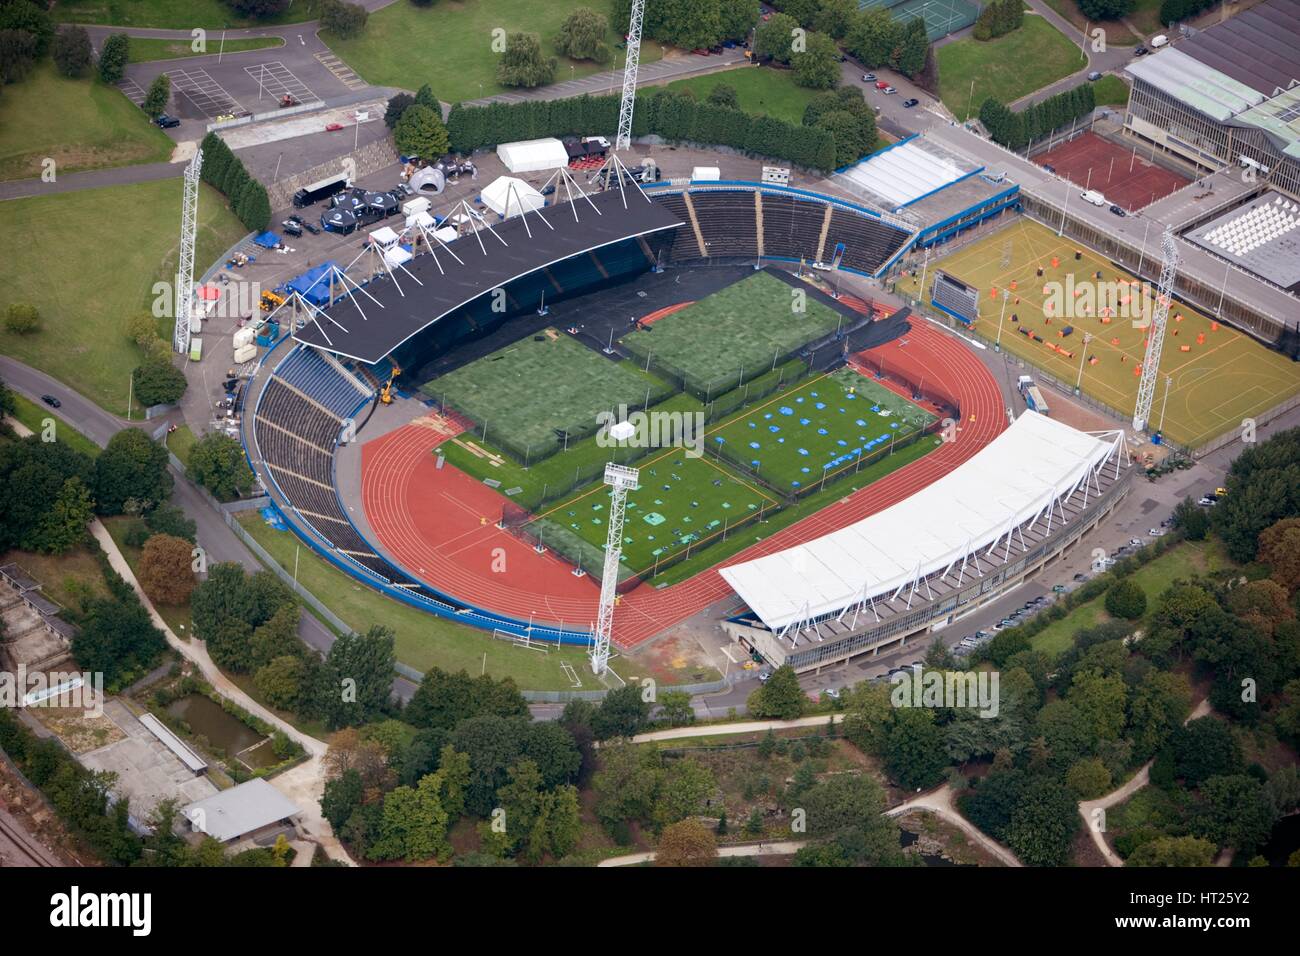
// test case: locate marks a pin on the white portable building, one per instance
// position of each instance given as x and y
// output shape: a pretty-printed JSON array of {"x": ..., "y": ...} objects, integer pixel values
[{"x": 531, "y": 155}]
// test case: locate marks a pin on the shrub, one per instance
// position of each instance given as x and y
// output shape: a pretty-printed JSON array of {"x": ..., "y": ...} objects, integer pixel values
[
  {"x": 22, "y": 318},
  {"x": 72, "y": 51},
  {"x": 582, "y": 36},
  {"x": 113, "y": 57},
  {"x": 344, "y": 20},
  {"x": 158, "y": 382},
  {"x": 1125, "y": 598}
]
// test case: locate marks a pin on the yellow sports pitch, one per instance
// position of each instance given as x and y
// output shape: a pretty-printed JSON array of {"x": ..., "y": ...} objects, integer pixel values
[{"x": 1214, "y": 376}]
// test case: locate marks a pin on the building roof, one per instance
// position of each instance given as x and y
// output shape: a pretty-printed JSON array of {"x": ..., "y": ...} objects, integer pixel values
[
  {"x": 906, "y": 172},
  {"x": 368, "y": 329},
  {"x": 183, "y": 751},
  {"x": 1279, "y": 118},
  {"x": 1016, "y": 478},
  {"x": 1262, "y": 237},
  {"x": 1190, "y": 81},
  {"x": 19, "y": 578},
  {"x": 1259, "y": 47},
  {"x": 240, "y": 810}
]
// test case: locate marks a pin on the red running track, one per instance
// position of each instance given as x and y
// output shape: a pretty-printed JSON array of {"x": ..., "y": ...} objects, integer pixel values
[{"x": 439, "y": 523}]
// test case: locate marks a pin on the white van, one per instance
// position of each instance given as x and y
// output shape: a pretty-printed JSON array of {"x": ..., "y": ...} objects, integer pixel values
[
  {"x": 1158, "y": 41},
  {"x": 1094, "y": 197}
]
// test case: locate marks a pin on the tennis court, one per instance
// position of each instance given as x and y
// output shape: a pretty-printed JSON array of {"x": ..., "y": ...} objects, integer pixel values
[
  {"x": 1211, "y": 376},
  {"x": 820, "y": 429},
  {"x": 733, "y": 335},
  {"x": 1121, "y": 175}
]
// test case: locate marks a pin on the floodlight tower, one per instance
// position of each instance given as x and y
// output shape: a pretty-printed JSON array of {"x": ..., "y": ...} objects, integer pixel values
[
  {"x": 1156, "y": 336},
  {"x": 185, "y": 268},
  {"x": 624, "y": 138},
  {"x": 621, "y": 480}
]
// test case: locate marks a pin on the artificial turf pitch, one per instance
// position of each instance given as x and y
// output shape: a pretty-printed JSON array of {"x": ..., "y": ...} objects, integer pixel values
[{"x": 1201, "y": 393}]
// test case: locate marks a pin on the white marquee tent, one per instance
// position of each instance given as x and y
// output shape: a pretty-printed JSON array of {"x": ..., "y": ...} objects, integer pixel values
[
  {"x": 507, "y": 196},
  {"x": 1018, "y": 477},
  {"x": 532, "y": 155}
]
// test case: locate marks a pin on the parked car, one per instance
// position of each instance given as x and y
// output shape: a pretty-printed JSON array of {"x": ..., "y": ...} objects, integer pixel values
[
  {"x": 889, "y": 90},
  {"x": 868, "y": 77},
  {"x": 167, "y": 122},
  {"x": 313, "y": 229},
  {"x": 1136, "y": 542},
  {"x": 1208, "y": 502},
  {"x": 881, "y": 85},
  {"x": 910, "y": 102},
  {"x": 51, "y": 401},
  {"x": 1141, "y": 51},
  {"x": 292, "y": 226},
  {"x": 763, "y": 676},
  {"x": 1094, "y": 76},
  {"x": 1117, "y": 210},
  {"x": 832, "y": 693}
]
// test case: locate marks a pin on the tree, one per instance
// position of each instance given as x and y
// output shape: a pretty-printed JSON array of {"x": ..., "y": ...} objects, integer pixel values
[
  {"x": 344, "y": 20},
  {"x": 685, "y": 790},
  {"x": 113, "y": 57},
  {"x": 1173, "y": 851},
  {"x": 817, "y": 66},
  {"x": 1088, "y": 779},
  {"x": 166, "y": 571},
  {"x": 217, "y": 463},
  {"x": 7, "y": 402},
  {"x": 780, "y": 697},
  {"x": 522, "y": 63},
  {"x": 1204, "y": 748},
  {"x": 63, "y": 526},
  {"x": 259, "y": 9},
  {"x": 33, "y": 473},
  {"x": 166, "y": 519},
  {"x": 775, "y": 37},
  {"x": 1279, "y": 548},
  {"x": 1125, "y": 598},
  {"x": 914, "y": 748},
  {"x": 131, "y": 470},
  {"x": 627, "y": 782},
  {"x": 420, "y": 132},
  {"x": 737, "y": 18},
  {"x": 622, "y": 713},
  {"x": 1191, "y": 520},
  {"x": 73, "y": 53},
  {"x": 442, "y": 700},
  {"x": 29, "y": 17},
  {"x": 117, "y": 638},
  {"x": 866, "y": 718},
  {"x": 686, "y": 843},
  {"x": 18, "y": 54},
  {"x": 582, "y": 36},
  {"x": 1234, "y": 811},
  {"x": 158, "y": 96},
  {"x": 1099, "y": 700},
  {"x": 1105, "y": 9},
  {"x": 357, "y": 677},
  {"x": 396, "y": 107},
  {"x": 253, "y": 205},
  {"x": 1159, "y": 705},
  {"x": 281, "y": 681},
  {"x": 676, "y": 708},
  {"x": 724, "y": 95},
  {"x": 22, "y": 318},
  {"x": 854, "y": 135},
  {"x": 158, "y": 383},
  {"x": 1043, "y": 824},
  {"x": 835, "y": 17}
]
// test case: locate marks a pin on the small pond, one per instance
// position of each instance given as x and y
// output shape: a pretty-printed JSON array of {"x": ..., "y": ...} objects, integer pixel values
[{"x": 224, "y": 731}]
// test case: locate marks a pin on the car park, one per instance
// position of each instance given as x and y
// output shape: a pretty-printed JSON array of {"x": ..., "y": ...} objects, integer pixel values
[
  {"x": 909, "y": 103},
  {"x": 51, "y": 401}
]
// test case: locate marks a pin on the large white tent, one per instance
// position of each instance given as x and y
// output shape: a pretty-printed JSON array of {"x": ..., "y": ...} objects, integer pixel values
[
  {"x": 532, "y": 155},
  {"x": 507, "y": 196},
  {"x": 1018, "y": 477}
]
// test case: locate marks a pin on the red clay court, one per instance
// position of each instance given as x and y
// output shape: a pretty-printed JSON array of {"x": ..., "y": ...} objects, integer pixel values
[
  {"x": 1121, "y": 175},
  {"x": 439, "y": 523}
]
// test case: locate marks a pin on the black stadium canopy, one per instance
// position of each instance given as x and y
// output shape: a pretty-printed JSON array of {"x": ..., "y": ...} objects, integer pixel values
[{"x": 367, "y": 325}]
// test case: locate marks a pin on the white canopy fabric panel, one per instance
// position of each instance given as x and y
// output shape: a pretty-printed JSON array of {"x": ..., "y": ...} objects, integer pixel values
[
  {"x": 507, "y": 196},
  {"x": 904, "y": 174},
  {"x": 531, "y": 155},
  {"x": 1015, "y": 478}
]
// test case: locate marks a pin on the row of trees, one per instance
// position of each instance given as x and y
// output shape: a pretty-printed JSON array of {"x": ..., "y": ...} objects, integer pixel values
[
  {"x": 26, "y": 37},
  {"x": 877, "y": 39},
  {"x": 1015, "y": 130},
  {"x": 1000, "y": 17},
  {"x": 692, "y": 24},
  {"x": 673, "y": 116},
  {"x": 225, "y": 171},
  {"x": 1176, "y": 11}
]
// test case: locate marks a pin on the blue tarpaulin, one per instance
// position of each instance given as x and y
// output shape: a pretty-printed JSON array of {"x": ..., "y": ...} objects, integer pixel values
[
  {"x": 267, "y": 240},
  {"x": 314, "y": 284}
]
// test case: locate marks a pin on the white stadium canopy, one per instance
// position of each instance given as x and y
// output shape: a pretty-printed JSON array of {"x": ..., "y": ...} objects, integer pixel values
[
  {"x": 532, "y": 155},
  {"x": 507, "y": 196},
  {"x": 1019, "y": 477},
  {"x": 905, "y": 173}
]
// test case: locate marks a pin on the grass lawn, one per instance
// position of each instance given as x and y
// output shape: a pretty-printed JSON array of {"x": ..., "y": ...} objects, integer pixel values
[
  {"x": 34, "y": 416},
  {"x": 1110, "y": 90},
  {"x": 65, "y": 578},
  {"x": 172, "y": 14},
  {"x": 758, "y": 91},
  {"x": 823, "y": 426},
  {"x": 80, "y": 124},
  {"x": 144, "y": 49},
  {"x": 395, "y": 49},
  {"x": 1183, "y": 561},
  {"x": 1219, "y": 376},
  {"x": 423, "y": 640},
  {"x": 523, "y": 393},
  {"x": 1007, "y": 68},
  {"x": 734, "y": 334},
  {"x": 83, "y": 340},
  {"x": 180, "y": 442}
]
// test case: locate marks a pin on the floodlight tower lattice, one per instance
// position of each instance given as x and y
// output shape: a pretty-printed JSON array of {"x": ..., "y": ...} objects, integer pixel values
[
  {"x": 1156, "y": 339},
  {"x": 621, "y": 480},
  {"x": 624, "y": 138},
  {"x": 185, "y": 268}
]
